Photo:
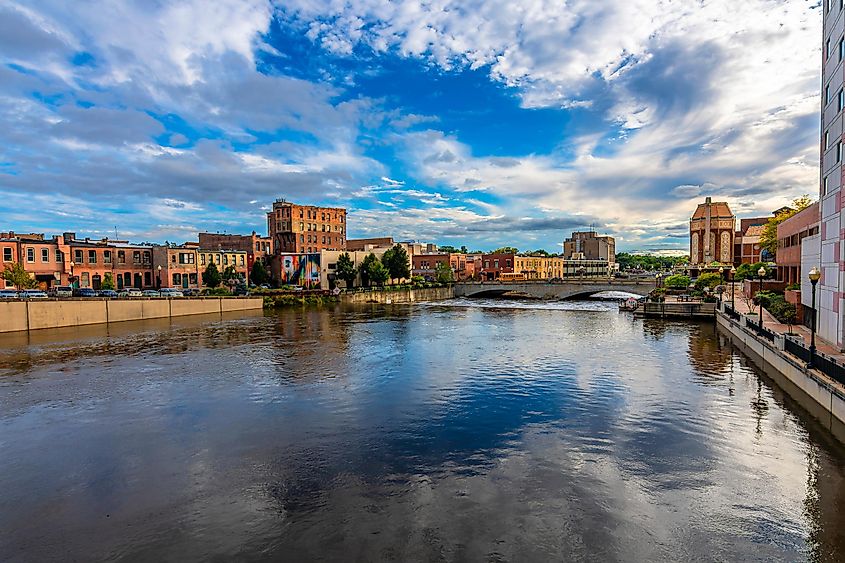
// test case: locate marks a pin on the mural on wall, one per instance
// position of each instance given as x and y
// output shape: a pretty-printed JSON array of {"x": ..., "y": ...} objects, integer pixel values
[{"x": 301, "y": 269}]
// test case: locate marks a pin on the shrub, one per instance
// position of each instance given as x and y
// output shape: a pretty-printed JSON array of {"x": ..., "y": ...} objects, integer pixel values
[
  {"x": 678, "y": 281},
  {"x": 708, "y": 281},
  {"x": 794, "y": 286}
]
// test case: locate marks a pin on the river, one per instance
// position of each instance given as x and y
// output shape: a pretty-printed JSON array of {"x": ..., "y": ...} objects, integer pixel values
[{"x": 456, "y": 431}]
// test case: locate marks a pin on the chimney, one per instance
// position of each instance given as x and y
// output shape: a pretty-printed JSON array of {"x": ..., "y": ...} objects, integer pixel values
[
  {"x": 69, "y": 236},
  {"x": 708, "y": 200}
]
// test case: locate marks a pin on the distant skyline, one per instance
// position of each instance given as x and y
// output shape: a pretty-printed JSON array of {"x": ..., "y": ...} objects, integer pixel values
[{"x": 483, "y": 123}]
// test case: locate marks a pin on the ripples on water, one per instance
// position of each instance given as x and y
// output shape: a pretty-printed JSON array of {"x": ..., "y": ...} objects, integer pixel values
[{"x": 461, "y": 430}]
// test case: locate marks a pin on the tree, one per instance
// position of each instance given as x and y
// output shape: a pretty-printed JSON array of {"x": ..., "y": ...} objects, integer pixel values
[
  {"x": 448, "y": 249},
  {"x": 108, "y": 281},
  {"x": 749, "y": 271},
  {"x": 707, "y": 281},
  {"x": 378, "y": 272},
  {"x": 211, "y": 276},
  {"x": 505, "y": 250},
  {"x": 769, "y": 236},
  {"x": 364, "y": 268},
  {"x": 259, "y": 274},
  {"x": 677, "y": 282},
  {"x": 345, "y": 269},
  {"x": 397, "y": 262},
  {"x": 443, "y": 272},
  {"x": 538, "y": 252},
  {"x": 229, "y": 273},
  {"x": 15, "y": 274}
]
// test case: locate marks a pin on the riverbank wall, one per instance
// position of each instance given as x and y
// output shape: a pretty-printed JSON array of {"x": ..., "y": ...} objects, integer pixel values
[
  {"x": 823, "y": 397},
  {"x": 18, "y": 316},
  {"x": 404, "y": 295}
]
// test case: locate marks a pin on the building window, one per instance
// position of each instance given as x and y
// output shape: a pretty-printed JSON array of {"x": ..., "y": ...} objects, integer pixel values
[
  {"x": 45, "y": 254},
  {"x": 839, "y": 151},
  {"x": 840, "y": 100},
  {"x": 107, "y": 257},
  {"x": 177, "y": 279},
  {"x": 841, "y": 49},
  {"x": 121, "y": 257},
  {"x": 824, "y": 186},
  {"x": 59, "y": 256},
  {"x": 92, "y": 256},
  {"x": 225, "y": 259},
  {"x": 217, "y": 259},
  {"x": 242, "y": 259},
  {"x": 148, "y": 279},
  {"x": 136, "y": 257},
  {"x": 202, "y": 259},
  {"x": 192, "y": 279},
  {"x": 826, "y": 139},
  {"x": 84, "y": 279},
  {"x": 7, "y": 254},
  {"x": 827, "y": 49},
  {"x": 147, "y": 257},
  {"x": 173, "y": 258},
  {"x": 77, "y": 256},
  {"x": 30, "y": 255},
  {"x": 827, "y": 94}
]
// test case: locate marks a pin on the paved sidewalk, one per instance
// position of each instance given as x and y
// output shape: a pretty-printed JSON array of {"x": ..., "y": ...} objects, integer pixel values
[{"x": 772, "y": 324}]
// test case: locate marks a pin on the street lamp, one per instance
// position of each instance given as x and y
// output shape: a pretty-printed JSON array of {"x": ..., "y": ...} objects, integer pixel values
[
  {"x": 71, "y": 273},
  {"x": 761, "y": 272},
  {"x": 733, "y": 275},
  {"x": 158, "y": 278},
  {"x": 814, "y": 276},
  {"x": 721, "y": 280}
]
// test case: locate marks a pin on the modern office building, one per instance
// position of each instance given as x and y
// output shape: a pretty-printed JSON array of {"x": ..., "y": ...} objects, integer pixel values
[
  {"x": 307, "y": 229},
  {"x": 830, "y": 303},
  {"x": 588, "y": 245}
]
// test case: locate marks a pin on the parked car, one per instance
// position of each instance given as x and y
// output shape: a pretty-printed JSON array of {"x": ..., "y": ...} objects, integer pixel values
[
  {"x": 240, "y": 290},
  {"x": 130, "y": 292},
  {"x": 109, "y": 293},
  {"x": 8, "y": 294},
  {"x": 84, "y": 292},
  {"x": 61, "y": 291},
  {"x": 150, "y": 293},
  {"x": 33, "y": 294},
  {"x": 170, "y": 292},
  {"x": 190, "y": 292}
]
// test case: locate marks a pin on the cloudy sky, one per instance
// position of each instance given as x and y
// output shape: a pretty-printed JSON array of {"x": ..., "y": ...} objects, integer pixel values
[{"x": 477, "y": 122}]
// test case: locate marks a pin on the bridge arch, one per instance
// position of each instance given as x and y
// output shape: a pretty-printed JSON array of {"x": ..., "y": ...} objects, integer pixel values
[{"x": 558, "y": 290}]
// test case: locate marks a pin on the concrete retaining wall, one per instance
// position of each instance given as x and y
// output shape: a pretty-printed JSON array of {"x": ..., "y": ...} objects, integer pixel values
[
  {"x": 34, "y": 315},
  {"x": 826, "y": 398},
  {"x": 400, "y": 296}
]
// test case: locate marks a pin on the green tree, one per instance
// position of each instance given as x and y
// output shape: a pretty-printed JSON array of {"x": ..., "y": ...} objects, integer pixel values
[
  {"x": 108, "y": 281},
  {"x": 364, "y": 268},
  {"x": 749, "y": 271},
  {"x": 397, "y": 262},
  {"x": 677, "y": 282},
  {"x": 443, "y": 272},
  {"x": 539, "y": 252},
  {"x": 769, "y": 236},
  {"x": 505, "y": 250},
  {"x": 229, "y": 273},
  {"x": 708, "y": 281},
  {"x": 378, "y": 272},
  {"x": 448, "y": 248},
  {"x": 345, "y": 269},
  {"x": 259, "y": 274},
  {"x": 15, "y": 274},
  {"x": 211, "y": 276}
]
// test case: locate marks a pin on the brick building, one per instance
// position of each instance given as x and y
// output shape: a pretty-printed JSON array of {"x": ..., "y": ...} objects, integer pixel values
[
  {"x": 712, "y": 231},
  {"x": 791, "y": 235},
  {"x": 176, "y": 266},
  {"x": 587, "y": 245},
  {"x": 255, "y": 246},
  {"x": 305, "y": 228}
]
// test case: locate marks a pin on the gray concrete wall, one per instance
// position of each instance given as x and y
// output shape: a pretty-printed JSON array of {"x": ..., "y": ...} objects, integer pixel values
[
  {"x": 821, "y": 396},
  {"x": 400, "y": 296},
  {"x": 36, "y": 315}
]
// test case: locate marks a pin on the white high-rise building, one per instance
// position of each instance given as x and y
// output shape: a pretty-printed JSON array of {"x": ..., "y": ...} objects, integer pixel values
[{"x": 829, "y": 299}]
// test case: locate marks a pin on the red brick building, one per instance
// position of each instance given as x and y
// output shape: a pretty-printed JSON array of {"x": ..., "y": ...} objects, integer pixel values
[
  {"x": 790, "y": 234},
  {"x": 299, "y": 229},
  {"x": 255, "y": 246}
]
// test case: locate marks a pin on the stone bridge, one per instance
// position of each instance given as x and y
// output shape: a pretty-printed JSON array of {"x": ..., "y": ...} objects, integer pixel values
[{"x": 568, "y": 289}]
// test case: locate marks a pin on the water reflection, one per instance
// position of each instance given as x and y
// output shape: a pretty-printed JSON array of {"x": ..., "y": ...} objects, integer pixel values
[{"x": 470, "y": 431}]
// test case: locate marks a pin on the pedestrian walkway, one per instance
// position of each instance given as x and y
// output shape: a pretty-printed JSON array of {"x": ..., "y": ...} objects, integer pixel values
[{"x": 802, "y": 331}]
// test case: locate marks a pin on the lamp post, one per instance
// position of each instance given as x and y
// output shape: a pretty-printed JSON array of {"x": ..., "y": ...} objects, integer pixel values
[
  {"x": 721, "y": 280},
  {"x": 158, "y": 279},
  {"x": 814, "y": 276},
  {"x": 761, "y": 272},
  {"x": 733, "y": 275},
  {"x": 71, "y": 273}
]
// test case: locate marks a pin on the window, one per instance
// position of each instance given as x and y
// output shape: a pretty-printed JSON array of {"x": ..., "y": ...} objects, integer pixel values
[
  {"x": 827, "y": 94},
  {"x": 147, "y": 257},
  {"x": 77, "y": 256},
  {"x": 121, "y": 257},
  {"x": 192, "y": 279},
  {"x": 7, "y": 254},
  {"x": 241, "y": 260},
  {"x": 301, "y": 227},
  {"x": 136, "y": 257},
  {"x": 92, "y": 256},
  {"x": 84, "y": 279},
  {"x": 840, "y": 100},
  {"x": 30, "y": 255},
  {"x": 148, "y": 279},
  {"x": 217, "y": 259},
  {"x": 225, "y": 259},
  {"x": 173, "y": 258},
  {"x": 177, "y": 279},
  {"x": 496, "y": 263},
  {"x": 824, "y": 186},
  {"x": 508, "y": 262},
  {"x": 826, "y": 139},
  {"x": 841, "y": 48},
  {"x": 45, "y": 254},
  {"x": 827, "y": 49},
  {"x": 301, "y": 238},
  {"x": 839, "y": 151},
  {"x": 107, "y": 257},
  {"x": 202, "y": 259}
]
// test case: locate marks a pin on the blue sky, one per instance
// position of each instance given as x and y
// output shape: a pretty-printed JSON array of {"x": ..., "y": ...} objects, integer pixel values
[{"x": 481, "y": 123}]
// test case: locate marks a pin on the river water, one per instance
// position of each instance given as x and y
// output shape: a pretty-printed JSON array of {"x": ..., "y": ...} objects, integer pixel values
[{"x": 457, "y": 431}]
